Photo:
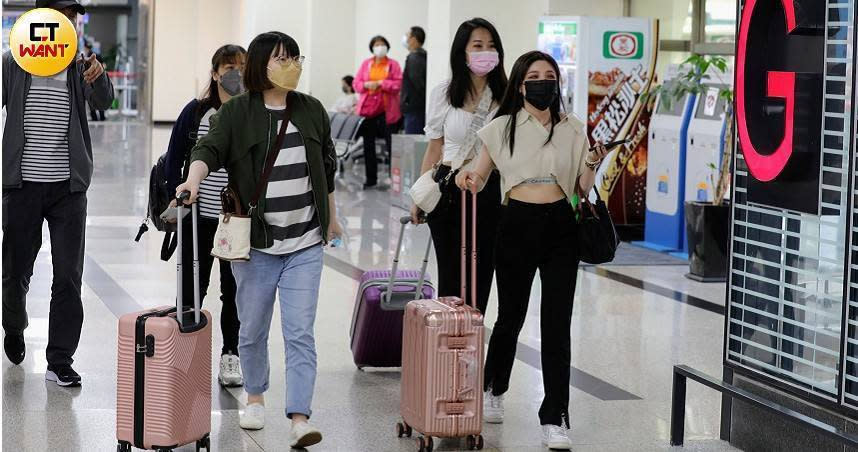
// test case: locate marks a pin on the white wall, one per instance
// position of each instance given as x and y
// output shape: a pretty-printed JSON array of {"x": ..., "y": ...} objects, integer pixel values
[
  {"x": 586, "y": 7},
  {"x": 516, "y": 26},
  {"x": 173, "y": 72},
  {"x": 182, "y": 50},
  {"x": 391, "y": 19},
  {"x": 331, "y": 55}
]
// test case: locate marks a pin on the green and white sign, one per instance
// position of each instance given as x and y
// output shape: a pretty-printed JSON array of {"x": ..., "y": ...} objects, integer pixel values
[{"x": 623, "y": 45}]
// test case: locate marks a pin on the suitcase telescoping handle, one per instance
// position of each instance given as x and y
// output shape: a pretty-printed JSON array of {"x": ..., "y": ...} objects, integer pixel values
[
  {"x": 418, "y": 294},
  {"x": 473, "y": 247},
  {"x": 180, "y": 206}
]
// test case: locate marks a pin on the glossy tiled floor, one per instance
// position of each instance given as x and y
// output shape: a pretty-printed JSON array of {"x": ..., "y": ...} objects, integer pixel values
[{"x": 627, "y": 335}]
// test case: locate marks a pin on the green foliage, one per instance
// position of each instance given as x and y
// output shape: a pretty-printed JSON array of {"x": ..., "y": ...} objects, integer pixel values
[{"x": 691, "y": 78}]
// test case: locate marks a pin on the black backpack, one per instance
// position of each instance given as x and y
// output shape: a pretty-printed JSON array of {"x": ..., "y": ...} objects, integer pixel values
[
  {"x": 160, "y": 197},
  {"x": 159, "y": 200}
]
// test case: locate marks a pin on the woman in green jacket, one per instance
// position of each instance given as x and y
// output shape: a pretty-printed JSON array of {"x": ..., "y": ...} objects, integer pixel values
[{"x": 294, "y": 217}]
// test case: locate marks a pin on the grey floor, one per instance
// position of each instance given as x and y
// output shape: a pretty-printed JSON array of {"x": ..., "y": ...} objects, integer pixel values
[{"x": 627, "y": 335}]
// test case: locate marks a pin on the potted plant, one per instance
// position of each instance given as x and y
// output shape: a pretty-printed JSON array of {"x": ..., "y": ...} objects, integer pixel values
[{"x": 706, "y": 223}]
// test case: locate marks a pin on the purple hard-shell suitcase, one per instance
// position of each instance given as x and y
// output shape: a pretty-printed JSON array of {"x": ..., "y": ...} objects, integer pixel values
[{"x": 376, "y": 332}]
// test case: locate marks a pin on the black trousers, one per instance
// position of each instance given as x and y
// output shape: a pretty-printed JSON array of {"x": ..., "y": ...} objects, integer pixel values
[
  {"x": 229, "y": 324},
  {"x": 445, "y": 222},
  {"x": 24, "y": 211},
  {"x": 371, "y": 129},
  {"x": 531, "y": 237}
]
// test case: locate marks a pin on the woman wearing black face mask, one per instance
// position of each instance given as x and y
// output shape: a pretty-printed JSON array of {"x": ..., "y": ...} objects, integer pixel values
[
  {"x": 543, "y": 158},
  {"x": 193, "y": 123}
]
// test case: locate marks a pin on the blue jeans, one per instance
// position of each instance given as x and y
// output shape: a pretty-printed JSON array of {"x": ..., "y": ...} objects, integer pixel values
[{"x": 297, "y": 276}]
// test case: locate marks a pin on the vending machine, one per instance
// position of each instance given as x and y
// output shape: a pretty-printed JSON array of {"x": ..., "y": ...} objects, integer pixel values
[
  {"x": 704, "y": 148},
  {"x": 606, "y": 65},
  {"x": 665, "y": 187}
]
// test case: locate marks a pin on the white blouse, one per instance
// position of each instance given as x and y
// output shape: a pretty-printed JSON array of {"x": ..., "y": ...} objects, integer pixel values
[
  {"x": 563, "y": 157},
  {"x": 445, "y": 121}
]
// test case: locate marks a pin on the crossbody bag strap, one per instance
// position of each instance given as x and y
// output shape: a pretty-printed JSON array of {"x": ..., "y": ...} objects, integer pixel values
[
  {"x": 272, "y": 156},
  {"x": 472, "y": 142}
]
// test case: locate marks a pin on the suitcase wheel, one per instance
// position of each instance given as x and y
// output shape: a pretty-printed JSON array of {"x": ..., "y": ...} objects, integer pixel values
[
  {"x": 204, "y": 443},
  {"x": 475, "y": 442},
  {"x": 403, "y": 429},
  {"x": 123, "y": 447},
  {"x": 425, "y": 444}
]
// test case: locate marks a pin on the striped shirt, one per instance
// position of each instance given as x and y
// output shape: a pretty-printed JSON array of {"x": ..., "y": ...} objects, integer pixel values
[
  {"x": 213, "y": 185},
  {"x": 46, "y": 126},
  {"x": 290, "y": 208}
]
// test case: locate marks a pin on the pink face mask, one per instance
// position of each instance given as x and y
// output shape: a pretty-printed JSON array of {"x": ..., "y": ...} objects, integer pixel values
[{"x": 481, "y": 63}]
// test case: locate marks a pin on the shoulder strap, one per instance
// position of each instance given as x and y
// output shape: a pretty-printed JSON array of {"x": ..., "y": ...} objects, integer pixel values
[
  {"x": 472, "y": 141},
  {"x": 272, "y": 155}
]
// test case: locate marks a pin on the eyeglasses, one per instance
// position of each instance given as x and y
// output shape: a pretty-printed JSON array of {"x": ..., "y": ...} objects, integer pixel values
[{"x": 298, "y": 60}]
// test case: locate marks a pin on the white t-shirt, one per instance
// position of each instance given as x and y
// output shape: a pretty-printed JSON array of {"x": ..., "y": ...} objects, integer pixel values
[
  {"x": 445, "y": 121},
  {"x": 346, "y": 104}
]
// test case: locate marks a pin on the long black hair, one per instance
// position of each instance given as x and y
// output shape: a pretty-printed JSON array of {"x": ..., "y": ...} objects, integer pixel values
[
  {"x": 513, "y": 100},
  {"x": 461, "y": 84},
  {"x": 227, "y": 54}
]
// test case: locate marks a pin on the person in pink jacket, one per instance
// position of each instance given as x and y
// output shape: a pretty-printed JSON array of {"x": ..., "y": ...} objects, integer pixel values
[{"x": 378, "y": 82}]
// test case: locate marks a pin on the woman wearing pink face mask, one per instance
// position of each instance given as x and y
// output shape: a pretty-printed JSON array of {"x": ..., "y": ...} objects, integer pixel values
[{"x": 457, "y": 109}]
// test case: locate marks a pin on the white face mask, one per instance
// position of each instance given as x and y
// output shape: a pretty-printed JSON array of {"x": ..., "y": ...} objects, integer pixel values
[
  {"x": 405, "y": 42},
  {"x": 380, "y": 51}
]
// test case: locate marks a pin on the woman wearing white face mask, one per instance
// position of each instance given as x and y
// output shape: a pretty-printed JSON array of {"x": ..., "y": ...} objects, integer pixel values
[
  {"x": 457, "y": 108},
  {"x": 193, "y": 123},
  {"x": 292, "y": 214},
  {"x": 378, "y": 81}
]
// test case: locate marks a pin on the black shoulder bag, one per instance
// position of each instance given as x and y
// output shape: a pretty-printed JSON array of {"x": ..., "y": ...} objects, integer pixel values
[{"x": 597, "y": 236}]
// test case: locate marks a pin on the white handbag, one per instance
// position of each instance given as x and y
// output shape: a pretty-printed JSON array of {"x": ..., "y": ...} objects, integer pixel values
[
  {"x": 232, "y": 238},
  {"x": 426, "y": 191}
]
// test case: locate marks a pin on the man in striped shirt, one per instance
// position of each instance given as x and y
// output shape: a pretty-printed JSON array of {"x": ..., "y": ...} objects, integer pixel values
[{"x": 47, "y": 167}]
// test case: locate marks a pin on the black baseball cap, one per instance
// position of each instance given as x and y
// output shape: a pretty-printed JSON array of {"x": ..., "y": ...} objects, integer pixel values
[{"x": 60, "y": 4}]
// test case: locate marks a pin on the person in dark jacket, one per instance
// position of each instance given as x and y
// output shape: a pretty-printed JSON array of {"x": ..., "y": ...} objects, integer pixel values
[
  {"x": 292, "y": 218},
  {"x": 413, "y": 97},
  {"x": 193, "y": 124},
  {"x": 46, "y": 173}
]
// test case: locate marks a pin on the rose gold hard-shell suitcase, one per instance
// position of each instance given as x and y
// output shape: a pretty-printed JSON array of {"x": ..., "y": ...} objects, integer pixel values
[
  {"x": 163, "y": 387},
  {"x": 442, "y": 363}
]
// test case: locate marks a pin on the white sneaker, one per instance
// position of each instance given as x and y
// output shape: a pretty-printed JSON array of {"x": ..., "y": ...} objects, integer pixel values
[
  {"x": 492, "y": 408},
  {"x": 304, "y": 435},
  {"x": 230, "y": 371},
  {"x": 252, "y": 418},
  {"x": 556, "y": 437}
]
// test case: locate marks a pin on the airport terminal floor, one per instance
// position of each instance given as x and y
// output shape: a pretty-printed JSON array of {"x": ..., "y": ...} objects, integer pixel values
[{"x": 631, "y": 325}]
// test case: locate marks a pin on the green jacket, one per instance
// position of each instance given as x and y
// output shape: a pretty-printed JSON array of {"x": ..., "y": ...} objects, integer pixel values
[{"x": 240, "y": 134}]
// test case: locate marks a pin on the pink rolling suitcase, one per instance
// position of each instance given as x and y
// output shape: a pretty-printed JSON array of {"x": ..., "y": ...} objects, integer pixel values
[
  {"x": 442, "y": 363},
  {"x": 163, "y": 387},
  {"x": 376, "y": 333}
]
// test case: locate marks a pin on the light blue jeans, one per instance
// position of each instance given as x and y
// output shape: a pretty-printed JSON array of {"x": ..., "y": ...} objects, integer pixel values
[{"x": 297, "y": 276}]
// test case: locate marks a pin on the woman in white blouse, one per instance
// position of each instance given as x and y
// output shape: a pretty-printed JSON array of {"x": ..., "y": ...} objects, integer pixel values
[
  {"x": 457, "y": 109},
  {"x": 543, "y": 157}
]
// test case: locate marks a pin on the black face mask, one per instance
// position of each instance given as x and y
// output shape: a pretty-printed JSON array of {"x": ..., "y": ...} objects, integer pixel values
[{"x": 540, "y": 93}]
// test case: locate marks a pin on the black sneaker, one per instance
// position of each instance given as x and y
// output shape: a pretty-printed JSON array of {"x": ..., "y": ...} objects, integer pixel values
[
  {"x": 14, "y": 346},
  {"x": 63, "y": 376}
]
